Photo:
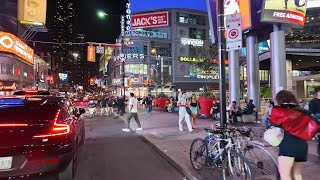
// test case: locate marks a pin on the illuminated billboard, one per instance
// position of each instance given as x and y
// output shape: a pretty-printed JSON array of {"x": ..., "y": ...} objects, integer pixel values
[
  {"x": 147, "y": 20},
  {"x": 91, "y": 54},
  {"x": 313, "y": 4},
  {"x": 63, "y": 77},
  {"x": 11, "y": 44},
  {"x": 230, "y": 7},
  {"x": 32, "y": 11},
  {"x": 290, "y": 12}
]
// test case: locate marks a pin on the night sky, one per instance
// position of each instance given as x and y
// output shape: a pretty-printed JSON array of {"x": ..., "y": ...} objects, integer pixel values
[{"x": 107, "y": 30}]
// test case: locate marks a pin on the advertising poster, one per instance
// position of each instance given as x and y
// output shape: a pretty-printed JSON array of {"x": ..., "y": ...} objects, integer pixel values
[
  {"x": 63, "y": 77},
  {"x": 285, "y": 11},
  {"x": 32, "y": 11},
  {"x": 157, "y": 19},
  {"x": 91, "y": 54}
]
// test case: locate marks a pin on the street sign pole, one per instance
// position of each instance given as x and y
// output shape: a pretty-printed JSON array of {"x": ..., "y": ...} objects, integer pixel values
[
  {"x": 123, "y": 93},
  {"x": 222, "y": 58}
]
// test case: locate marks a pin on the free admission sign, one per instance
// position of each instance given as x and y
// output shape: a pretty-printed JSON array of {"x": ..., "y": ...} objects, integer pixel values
[{"x": 156, "y": 19}]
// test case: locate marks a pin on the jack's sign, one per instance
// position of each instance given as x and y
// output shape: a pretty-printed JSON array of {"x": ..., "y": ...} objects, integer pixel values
[{"x": 150, "y": 20}]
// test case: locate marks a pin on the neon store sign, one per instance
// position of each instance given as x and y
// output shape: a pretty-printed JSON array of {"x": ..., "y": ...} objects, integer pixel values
[{"x": 128, "y": 16}]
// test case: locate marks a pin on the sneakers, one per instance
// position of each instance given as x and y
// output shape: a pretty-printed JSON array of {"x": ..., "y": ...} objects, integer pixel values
[
  {"x": 126, "y": 130},
  {"x": 139, "y": 129},
  {"x": 180, "y": 129}
]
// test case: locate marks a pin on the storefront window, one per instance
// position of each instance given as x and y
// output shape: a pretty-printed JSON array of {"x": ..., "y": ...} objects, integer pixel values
[
  {"x": 136, "y": 68},
  {"x": 183, "y": 18},
  {"x": 197, "y": 33}
]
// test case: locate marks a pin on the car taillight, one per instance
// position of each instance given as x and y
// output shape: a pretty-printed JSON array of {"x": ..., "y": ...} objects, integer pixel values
[
  {"x": 57, "y": 129},
  {"x": 13, "y": 125}
]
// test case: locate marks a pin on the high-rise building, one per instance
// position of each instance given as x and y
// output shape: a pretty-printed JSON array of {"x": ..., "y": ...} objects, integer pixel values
[{"x": 63, "y": 36}]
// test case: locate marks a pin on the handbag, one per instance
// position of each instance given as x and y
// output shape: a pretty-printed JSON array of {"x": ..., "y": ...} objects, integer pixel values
[
  {"x": 189, "y": 111},
  {"x": 273, "y": 136}
]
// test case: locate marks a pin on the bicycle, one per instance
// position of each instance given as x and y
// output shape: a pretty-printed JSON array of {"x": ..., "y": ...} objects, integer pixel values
[
  {"x": 221, "y": 154},
  {"x": 263, "y": 164}
]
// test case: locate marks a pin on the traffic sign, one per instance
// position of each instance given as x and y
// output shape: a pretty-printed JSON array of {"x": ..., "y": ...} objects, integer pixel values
[
  {"x": 100, "y": 49},
  {"x": 234, "y": 32}
]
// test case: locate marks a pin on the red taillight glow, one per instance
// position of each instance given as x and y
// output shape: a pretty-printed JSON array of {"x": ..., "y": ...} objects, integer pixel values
[
  {"x": 57, "y": 129},
  {"x": 13, "y": 125}
]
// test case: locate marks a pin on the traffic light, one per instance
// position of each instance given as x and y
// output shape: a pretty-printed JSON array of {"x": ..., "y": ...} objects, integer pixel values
[
  {"x": 51, "y": 80},
  {"x": 151, "y": 72}
]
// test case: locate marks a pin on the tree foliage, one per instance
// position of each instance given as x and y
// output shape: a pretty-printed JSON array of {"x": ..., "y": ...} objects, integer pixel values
[{"x": 208, "y": 53}]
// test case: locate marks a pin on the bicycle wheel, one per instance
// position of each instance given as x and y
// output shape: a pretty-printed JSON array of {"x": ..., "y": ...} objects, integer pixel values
[
  {"x": 236, "y": 167},
  {"x": 198, "y": 153},
  {"x": 263, "y": 164}
]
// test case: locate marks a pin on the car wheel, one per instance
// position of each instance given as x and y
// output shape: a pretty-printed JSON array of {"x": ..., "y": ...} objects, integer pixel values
[{"x": 69, "y": 173}]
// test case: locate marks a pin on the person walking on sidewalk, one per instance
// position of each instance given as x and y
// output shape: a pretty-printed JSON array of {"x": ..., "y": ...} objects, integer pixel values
[
  {"x": 314, "y": 108},
  {"x": 182, "y": 103},
  {"x": 103, "y": 105},
  {"x": 121, "y": 105},
  {"x": 194, "y": 110},
  {"x": 133, "y": 109},
  {"x": 148, "y": 101}
]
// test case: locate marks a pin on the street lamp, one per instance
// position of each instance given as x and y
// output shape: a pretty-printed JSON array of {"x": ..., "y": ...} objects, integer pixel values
[
  {"x": 101, "y": 14},
  {"x": 75, "y": 55}
]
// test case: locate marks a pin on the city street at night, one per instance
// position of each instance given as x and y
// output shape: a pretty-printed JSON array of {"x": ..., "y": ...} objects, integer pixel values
[{"x": 214, "y": 89}]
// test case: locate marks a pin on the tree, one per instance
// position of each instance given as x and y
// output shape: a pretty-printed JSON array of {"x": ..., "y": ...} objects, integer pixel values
[{"x": 208, "y": 54}]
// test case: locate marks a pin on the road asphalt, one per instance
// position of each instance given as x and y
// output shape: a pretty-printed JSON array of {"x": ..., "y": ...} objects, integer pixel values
[{"x": 111, "y": 154}]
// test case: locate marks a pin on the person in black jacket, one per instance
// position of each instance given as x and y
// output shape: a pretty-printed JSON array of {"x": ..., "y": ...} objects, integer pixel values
[
  {"x": 314, "y": 108},
  {"x": 121, "y": 105}
]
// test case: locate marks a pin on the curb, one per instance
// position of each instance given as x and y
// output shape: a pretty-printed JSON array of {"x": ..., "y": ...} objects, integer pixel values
[{"x": 164, "y": 155}]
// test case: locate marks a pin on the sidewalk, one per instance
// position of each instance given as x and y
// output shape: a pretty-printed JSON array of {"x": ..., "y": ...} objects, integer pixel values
[{"x": 160, "y": 129}]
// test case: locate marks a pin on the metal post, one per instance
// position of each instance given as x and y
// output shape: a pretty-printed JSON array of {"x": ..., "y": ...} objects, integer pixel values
[
  {"x": 123, "y": 93},
  {"x": 253, "y": 70},
  {"x": 222, "y": 57},
  {"x": 234, "y": 76},
  {"x": 162, "y": 88},
  {"x": 278, "y": 61}
]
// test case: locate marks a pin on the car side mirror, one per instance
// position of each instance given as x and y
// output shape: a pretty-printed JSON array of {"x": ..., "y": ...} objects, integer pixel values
[{"x": 82, "y": 111}]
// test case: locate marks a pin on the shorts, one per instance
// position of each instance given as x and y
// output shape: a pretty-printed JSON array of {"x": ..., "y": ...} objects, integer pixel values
[
  {"x": 110, "y": 105},
  {"x": 292, "y": 146}
]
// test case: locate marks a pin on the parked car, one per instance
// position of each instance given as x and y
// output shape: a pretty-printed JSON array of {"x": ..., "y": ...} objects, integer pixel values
[{"x": 39, "y": 134}]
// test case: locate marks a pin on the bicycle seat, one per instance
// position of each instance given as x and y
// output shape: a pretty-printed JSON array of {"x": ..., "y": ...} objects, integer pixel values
[{"x": 245, "y": 131}]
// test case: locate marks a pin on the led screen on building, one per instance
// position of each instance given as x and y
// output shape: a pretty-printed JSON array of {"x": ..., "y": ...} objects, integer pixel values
[{"x": 284, "y": 11}]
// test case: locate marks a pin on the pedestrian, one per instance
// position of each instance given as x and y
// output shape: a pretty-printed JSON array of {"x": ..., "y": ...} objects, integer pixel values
[
  {"x": 314, "y": 108},
  {"x": 235, "y": 112},
  {"x": 110, "y": 106},
  {"x": 268, "y": 114},
  {"x": 133, "y": 109},
  {"x": 103, "y": 103},
  {"x": 250, "y": 108},
  {"x": 120, "y": 101},
  {"x": 194, "y": 110},
  {"x": 292, "y": 149},
  {"x": 148, "y": 102},
  {"x": 215, "y": 110},
  {"x": 182, "y": 103}
]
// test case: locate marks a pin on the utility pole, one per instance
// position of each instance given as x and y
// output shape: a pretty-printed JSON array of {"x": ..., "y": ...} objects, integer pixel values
[{"x": 222, "y": 57}]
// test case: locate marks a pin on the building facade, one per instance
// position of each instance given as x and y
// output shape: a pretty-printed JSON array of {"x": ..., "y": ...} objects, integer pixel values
[{"x": 165, "y": 55}]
